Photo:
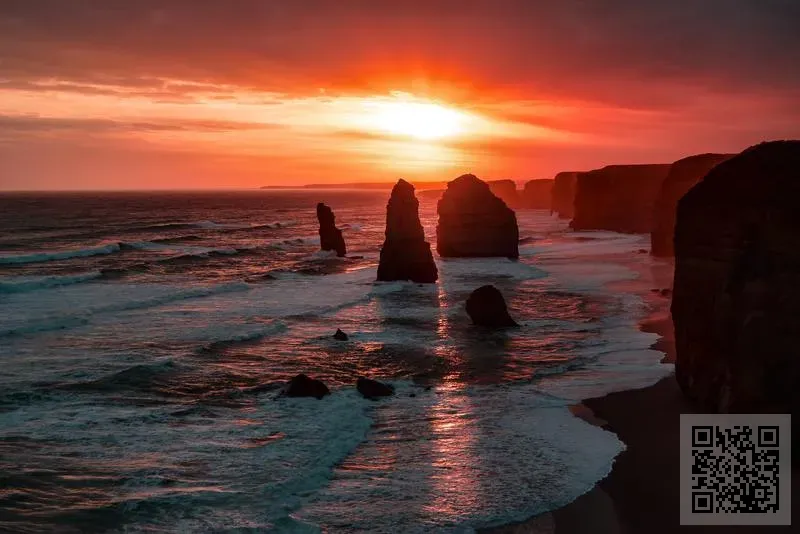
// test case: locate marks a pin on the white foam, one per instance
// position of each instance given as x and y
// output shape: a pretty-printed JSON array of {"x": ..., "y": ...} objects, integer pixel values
[{"x": 61, "y": 254}]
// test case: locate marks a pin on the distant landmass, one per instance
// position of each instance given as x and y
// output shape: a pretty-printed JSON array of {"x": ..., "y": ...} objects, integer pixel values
[{"x": 419, "y": 186}]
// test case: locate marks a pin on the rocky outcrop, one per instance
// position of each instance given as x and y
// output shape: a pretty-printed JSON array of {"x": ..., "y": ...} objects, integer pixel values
[
  {"x": 563, "y": 195},
  {"x": 737, "y": 284},
  {"x": 330, "y": 237},
  {"x": 303, "y": 386},
  {"x": 405, "y": 254},
  {"x": 339, "y": 335},
  {"x": 505, "y": 190},
  {"x": 473, "y": 222},
  {"x": 682, "y": 176},
  {"x": 487, "y": 307},
  {"x": 373, "y": 389},
  {"x": 620, "y": 198},
  {"x": 537, "y": 194}
]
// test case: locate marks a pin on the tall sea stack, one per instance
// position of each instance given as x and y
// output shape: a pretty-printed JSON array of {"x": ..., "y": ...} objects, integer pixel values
[
  {"x": 563, "y": 194},
  {"x": 537, "y": 194},
  {"x": 683, "y": 174},
  {"x": 505, "y": 190},
  {"x": 737, "y": 284},
  {"x": 405, "y": 254},
  {"x": 330, "y": 237},
  {"x": 620, "y": 198},
  {"x": 473, "y": 222}
]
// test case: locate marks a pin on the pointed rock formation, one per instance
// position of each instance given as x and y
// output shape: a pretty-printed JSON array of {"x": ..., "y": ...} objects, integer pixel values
[
  {"x": 340, "y": 336},
  {"x": 304, "y": 386},
  {"x": 473, "y": 222},
  {"x": 486, "y": 307},
  {"x": 737, "y": 284},
  {"x": 405, "y": 254},
  {"x": 330, "y": 237},
  {"x": 563, "y": 195},
  {"x": 505, "y": 190},
  {"x": 683, "y": 175},
  {"x": 537, "y": 194},
  {"x": 620, "y": 198}
]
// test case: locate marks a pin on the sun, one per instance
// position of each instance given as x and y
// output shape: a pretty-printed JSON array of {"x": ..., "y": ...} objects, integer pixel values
[{"x": 419, "y": 120}]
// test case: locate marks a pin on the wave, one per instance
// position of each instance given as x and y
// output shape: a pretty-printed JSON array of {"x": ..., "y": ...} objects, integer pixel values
[
  {"x": 143, "y": 377},
  {"x": 267, "y": 330},
  {"x": 110, "y": 248},
  {"x": 65, "y": 322},
  {"x": 25, "y": 284}
]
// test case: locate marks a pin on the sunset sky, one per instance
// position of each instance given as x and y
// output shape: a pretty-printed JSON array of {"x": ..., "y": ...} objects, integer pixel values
[{"x": 120, "y": 94}]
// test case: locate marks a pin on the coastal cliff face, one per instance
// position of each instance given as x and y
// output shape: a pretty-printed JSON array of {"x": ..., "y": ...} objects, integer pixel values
[
  {"x": 620, "y": 198},
  {"x": 405, "y": 254},
  {"x": 473, "y": 222},
  {"x": 505, "y": 190},
  {"x": 330, "y": 237},
  {"x": 737, "y": 283},
  {"x": 537, "y": 194},
  {"x": 563, "y": 194},
  {"x": 682, "y": 176}
]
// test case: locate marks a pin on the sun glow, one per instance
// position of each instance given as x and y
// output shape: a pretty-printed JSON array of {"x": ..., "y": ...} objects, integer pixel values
[{"x": 419, "y": 120}]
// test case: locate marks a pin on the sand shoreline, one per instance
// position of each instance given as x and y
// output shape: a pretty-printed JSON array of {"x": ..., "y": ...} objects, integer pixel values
[{"x": 641, "y": 494}]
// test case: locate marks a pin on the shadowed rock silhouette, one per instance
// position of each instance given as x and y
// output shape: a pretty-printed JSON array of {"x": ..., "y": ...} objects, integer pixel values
[
  {"x": 537, "y": 194},
  {"x": 505, "y": 190},
  {"x": 330, "y": 237},
  {"x": 683, "y": 174},
  {"x": 303, "y": 386},
  {"x": 563, "y": 194},
  {"x": 373, "y": 389},
  {"x": 620, "y": 198},
  {"x": 405, "y": 254},
  {"x": 487, "y": 307},
  {"x": 473, "y": 222},
  {"x": 737, "y": 284},
  {"x": 340, "y": 336}
]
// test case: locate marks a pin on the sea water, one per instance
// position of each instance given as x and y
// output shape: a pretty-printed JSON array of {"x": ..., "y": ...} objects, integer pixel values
[{"x": 144, "y": 339}]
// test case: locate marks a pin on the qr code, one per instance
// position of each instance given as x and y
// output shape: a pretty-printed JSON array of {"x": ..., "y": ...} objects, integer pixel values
[{"x": 735, "y": 469}]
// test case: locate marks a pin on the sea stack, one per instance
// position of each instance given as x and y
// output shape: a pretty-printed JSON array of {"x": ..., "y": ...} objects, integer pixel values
[
  {"x": 737, "y": 284},
  {"x": 563, "y": 194},
  {"x": 405, "y": 254},
  {"x": 620, "y": 198},
  {"x": 505, "y": 190},
  {"x": 487, "y": 307},
  {"x": 473, "y": 222},
  {"x": 682, "y": 176},
  {"x": 537, "y": 194},
  {"x": 330, "y": 237}
]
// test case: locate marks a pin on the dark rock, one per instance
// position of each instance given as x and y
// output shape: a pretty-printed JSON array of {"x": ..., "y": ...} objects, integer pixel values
[
  {"x": 642, "y": 251},
  {"x": 682, "y": 176},
  {"x": 412, "y": 394},
  {"x": 339, "y": 335},
  {"x": 505, "y": 190},
  {"x": 303, "y": 386},
  {"x": 405, "y": 254},
  {"x": 666, "y": 292},
  {"x": 372, "y": 389},
  {"x": 473, "y": 222},
  {"x": 486, "y": 307},
  {"x": 737, "y": 284},
  {"x": 330, "y": 237},
  {"x": 563, "y": 195},
  {"x": 538, "y": 194},
  {"x": 620, "y": 198}
]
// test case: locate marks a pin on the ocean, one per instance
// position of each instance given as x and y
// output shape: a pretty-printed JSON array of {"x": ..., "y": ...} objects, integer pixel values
[{"x": 144, "y": 338}]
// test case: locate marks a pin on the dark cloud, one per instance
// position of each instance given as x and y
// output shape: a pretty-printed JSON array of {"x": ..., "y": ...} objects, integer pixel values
[{"x": 625, "y": 50}]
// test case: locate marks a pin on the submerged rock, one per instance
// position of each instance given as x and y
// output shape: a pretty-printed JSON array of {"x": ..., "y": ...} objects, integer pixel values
[
  {"x": 737, "y": 284},
  {"x": 339, "y": 335},
  {"x": 683, "y": 175},
  {"x": 330, "y": 237},
  {"x": 405, "y": 254},
  {"x": 372, "y": 389},
  {"x": 303, "y": 386},
  {"x": 563, "y": 194},
  {"x": 620, "y": 198},
  {"x": 538, "y": 194},
  {"x": 473, "y": 222},
  {"x": 487, "y": 307}
]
